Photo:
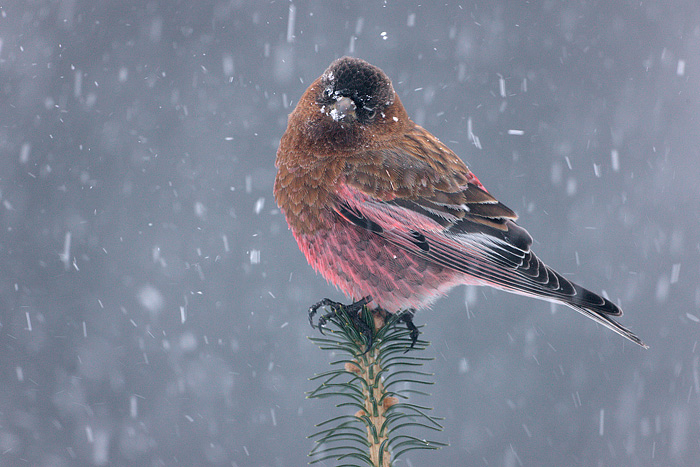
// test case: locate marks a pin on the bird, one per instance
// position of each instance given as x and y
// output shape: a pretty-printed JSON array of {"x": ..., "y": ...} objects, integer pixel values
[{"x": 391, "y": 216}]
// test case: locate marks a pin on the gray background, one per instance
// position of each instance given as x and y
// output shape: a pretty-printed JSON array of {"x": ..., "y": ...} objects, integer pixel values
[{"x": 137, "y": 145}]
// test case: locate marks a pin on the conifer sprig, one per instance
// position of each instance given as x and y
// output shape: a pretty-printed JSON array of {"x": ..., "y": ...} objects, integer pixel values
[{"x": 376, "y": 383}]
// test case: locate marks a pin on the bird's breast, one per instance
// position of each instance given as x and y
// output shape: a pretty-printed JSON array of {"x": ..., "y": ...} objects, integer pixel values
[{"x": 306, "y": 196}]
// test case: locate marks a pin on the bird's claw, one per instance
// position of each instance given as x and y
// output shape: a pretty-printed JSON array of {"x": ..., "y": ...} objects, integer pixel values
[
  {"x": 407, "y": 317},
  {"x": 326, "y": 302},
  {"x": 352, "y": 310}
]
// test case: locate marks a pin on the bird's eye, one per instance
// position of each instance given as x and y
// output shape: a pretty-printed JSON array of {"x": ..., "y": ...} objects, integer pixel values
[
  {"x": 327, "y": 92},
  {"x": 371, "y": 114}
]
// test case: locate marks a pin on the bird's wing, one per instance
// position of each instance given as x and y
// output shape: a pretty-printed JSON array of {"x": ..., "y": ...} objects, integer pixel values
[
  {"x": 422, "y": 174},
  {"x": 459, "y": 226}
]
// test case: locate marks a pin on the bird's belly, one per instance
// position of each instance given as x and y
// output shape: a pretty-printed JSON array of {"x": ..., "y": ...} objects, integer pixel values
[{"x": 362, "y": 263}]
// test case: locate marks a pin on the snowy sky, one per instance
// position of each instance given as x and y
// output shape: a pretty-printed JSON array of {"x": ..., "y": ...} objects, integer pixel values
[{"x": 152, "y": 300}]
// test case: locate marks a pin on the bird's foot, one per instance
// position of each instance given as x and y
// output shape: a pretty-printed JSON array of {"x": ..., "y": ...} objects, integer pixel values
[
  {"x": 407, "y": 317},
  {"x": 353, "y": 312},
  {"x": 326, "y": 302}
]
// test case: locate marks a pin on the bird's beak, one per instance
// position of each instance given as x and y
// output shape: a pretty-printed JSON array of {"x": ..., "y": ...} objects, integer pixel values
[{"x": 343, "y": 108}]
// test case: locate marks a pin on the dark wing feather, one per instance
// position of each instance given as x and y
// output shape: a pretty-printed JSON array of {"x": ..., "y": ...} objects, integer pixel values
[{"x": 421, "y": 173}]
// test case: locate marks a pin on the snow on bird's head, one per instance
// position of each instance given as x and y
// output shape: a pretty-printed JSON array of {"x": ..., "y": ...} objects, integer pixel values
[{"x": 367, "y": 85}]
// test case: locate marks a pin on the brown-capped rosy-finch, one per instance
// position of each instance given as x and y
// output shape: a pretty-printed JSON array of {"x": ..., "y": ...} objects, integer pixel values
[{"x": 384, "y": 210}]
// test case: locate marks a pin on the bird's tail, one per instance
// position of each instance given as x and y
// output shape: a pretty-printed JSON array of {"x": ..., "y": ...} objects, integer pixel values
[
  {"x": 545, "y": 283},
  {"x": 608, "y": 322}
]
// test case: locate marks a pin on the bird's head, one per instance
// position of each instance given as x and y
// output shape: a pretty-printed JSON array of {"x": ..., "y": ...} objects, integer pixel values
[
  {"x": 352, "y": 89},
  {"x": 351, "y": 104}
]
